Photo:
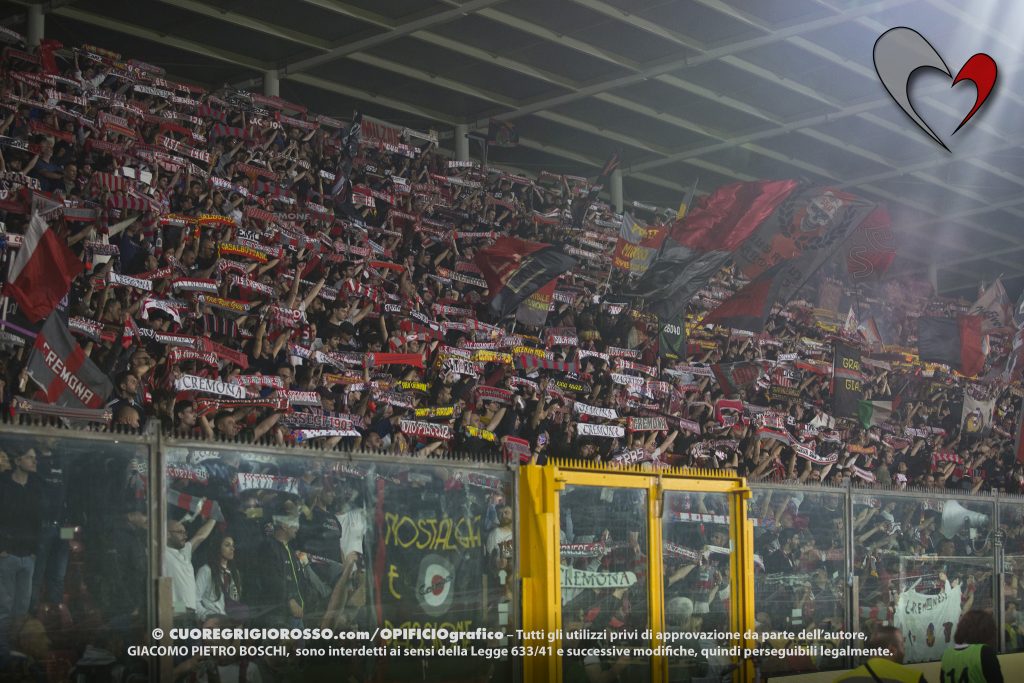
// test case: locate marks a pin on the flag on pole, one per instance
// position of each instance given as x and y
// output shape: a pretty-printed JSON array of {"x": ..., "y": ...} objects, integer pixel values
[
  {"x": 581, "y": 205},
  {"x": 873, "y": 413},
  {"x": 956, "y": 342},
  {"x": 514, "y": 269},
  {"x": 994, "y": 307},
  {"x": 687, "y": 201},
  {"x": 41, "y": 272},
  {"x": 61, "y": 368}
]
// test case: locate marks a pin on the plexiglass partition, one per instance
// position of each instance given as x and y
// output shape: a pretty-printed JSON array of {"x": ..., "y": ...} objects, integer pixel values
[
  {"x": 380, "y": 541},
  {"x": 697, "y": 553},
  {"x": 800, "y": 541},
  {"x": 920, "y": 561},
  {"x": 306, "y": 539},
  {"x": 75, "y": 544}
]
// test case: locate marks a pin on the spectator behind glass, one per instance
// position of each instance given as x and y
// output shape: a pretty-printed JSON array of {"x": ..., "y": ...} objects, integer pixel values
[
  {"x": 218, "y": 584},
  {"x": 178, "y": 566},
  {"x": 21, "y": 518}
]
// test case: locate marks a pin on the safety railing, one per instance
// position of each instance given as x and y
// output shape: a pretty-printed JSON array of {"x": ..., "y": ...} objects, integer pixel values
[{"x": 382, "y": 541}]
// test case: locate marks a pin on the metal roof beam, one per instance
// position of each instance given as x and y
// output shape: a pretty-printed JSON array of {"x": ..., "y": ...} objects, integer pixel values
[
  {"x": 194, "y": 47},
  {"x": 367, "y": 96},
  {"x": 652, "y": 70},
  {"x": 447, "y": 43},
  {"x": 397, "y": 31},
  {"x": 264, "y": 27}
]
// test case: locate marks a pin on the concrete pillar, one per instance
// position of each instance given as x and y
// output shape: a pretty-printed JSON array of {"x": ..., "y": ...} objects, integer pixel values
[
  {"x": 616, "y": 189},
  {"x": 461, "y": 142},
  {"x": 933, "y": 276},
  {"x": 271, "y": 83},
  {"x": 36, "y": 23}
]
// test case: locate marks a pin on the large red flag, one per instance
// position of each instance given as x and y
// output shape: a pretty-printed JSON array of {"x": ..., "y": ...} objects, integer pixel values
[
  {"x": 699, "y": 245},
  {"x": 42, "y": 271}
]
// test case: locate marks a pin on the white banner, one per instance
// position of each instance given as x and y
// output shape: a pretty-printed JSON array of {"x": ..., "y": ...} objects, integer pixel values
[
  {"x": 594, "y": 411},
  {"x": 209, "y": 386},
  {"x": 628, "y": 380},
  {"x": 303, "y": 398},
  {"x": 306, "y": 434},
  {"x": 244, "y": 481},
  {"x": 580, "y": 578},
  {"x": 607, "y": 431},
  {"x": 927, "y": 622},
  {"x": 126, "y": 281}
]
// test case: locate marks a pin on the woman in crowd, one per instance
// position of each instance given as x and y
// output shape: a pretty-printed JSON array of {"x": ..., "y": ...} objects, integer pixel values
[{"x": 218, "y": 583}]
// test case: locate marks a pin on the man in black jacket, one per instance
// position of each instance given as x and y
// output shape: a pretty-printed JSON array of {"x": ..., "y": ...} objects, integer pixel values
[
  {"x": 125, "y": 566},
  {"x": 21, "y": 519},
  {"x": 281, "y": 594}
]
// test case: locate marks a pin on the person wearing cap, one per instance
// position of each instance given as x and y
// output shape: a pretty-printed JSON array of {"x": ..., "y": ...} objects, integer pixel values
[
  {"x": 21, "y": 519},
  {"x": 680, "y": 618}
]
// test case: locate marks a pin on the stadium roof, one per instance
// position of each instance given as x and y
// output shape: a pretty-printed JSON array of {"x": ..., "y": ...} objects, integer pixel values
[{"x": 715, "y": 90}]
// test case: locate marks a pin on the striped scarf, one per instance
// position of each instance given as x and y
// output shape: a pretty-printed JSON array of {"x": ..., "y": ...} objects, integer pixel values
[
  {"x": 264, "y": 187},
  {"x": 220, "y": 130},
  {"x": 248, "y": 287},
  {"x": 111, "y": 182},
  {"x": 203, "y": 507},
  {"x": 128, "y": 203},
  {"x": 215, "y": 324},
  {"x": 207, "y": 112},
  {"x": 531, "y": 362}
]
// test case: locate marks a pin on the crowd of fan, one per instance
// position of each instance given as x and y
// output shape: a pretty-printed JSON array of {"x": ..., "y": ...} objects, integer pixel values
[
  {"x": 359, "y": 248},
  {"x": 328, "y": 267}
]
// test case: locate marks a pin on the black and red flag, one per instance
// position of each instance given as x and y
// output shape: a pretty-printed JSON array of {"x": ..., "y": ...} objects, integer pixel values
[
  {"x": 956, "y": 342},
  {"x": 748, "y": 308},
  {"x": 63, "y": 371},
  {"x": 514, "y": 269},
  {"x": 700, "y": 244},
  {"x": 534, "y": 308},
  {"x": 782, "y": 230},
  {"x": 732, "y": 377}
]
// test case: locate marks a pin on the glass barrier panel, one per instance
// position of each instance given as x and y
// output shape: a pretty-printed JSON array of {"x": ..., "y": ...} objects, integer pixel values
[
  {"x": 800, "y": 572},
  {"x": 74, "y": 548},
  {"x": 696, "y": 552},
  {"x": 920, "y": 562},
  {"x": 444, "y": 547},
  {"x": 351, "y": 545},
  {"x": 1011, "y": 523},
  {"x": 604, "y": 572}
]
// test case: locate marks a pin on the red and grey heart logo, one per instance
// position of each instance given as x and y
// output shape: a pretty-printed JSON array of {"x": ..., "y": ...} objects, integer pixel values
[{"x": 901, "y": 51}]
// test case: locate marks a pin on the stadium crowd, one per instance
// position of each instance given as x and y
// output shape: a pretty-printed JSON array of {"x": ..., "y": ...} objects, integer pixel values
[
  {"x": 329, "y": 273},
  {"x": 254, "y": 271}
]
